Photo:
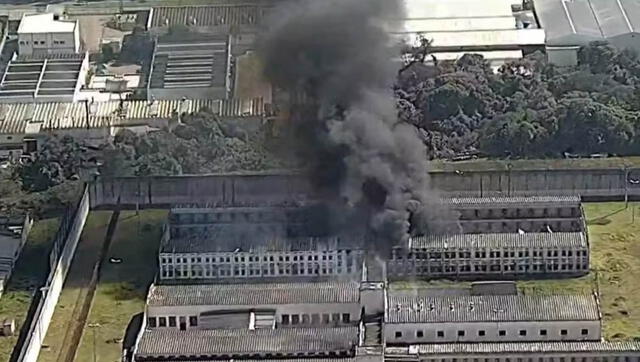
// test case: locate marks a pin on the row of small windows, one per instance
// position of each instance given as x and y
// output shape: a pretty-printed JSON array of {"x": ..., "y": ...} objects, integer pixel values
[
  {"x": 519, "y": 213},
  {"x": 325, "y": 318},
  {"x": 198, "y": 272},
  {"x": 243, "y": 259},
  {"x": 491, "y": 254},
  {"x": 492, "y": 268},
  {"x": 482, "y": 333},
  {"x": 42, "y": 42},
  {"x": 535, "y": 359},
  {"x": 171, "y": 321}
]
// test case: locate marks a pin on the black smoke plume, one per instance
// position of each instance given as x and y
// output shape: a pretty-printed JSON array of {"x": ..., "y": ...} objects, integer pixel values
[{"x": 336, "y": 55}]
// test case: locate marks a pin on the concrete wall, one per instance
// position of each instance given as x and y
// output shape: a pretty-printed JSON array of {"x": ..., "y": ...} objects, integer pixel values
[
  {"x": 584, "y": 182},
  {"x": 64, "y": 247},
  {"x": 531, "y": 356},
  {"x": 283, "y": 189},
  {"x": 219, "y": 190}
]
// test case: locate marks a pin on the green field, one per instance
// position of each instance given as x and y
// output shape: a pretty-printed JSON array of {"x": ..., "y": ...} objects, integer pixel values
[
  {"x": 122, "y": 288},
  {"x": 553, "y": 164},
  {"x": 30, "y": 272},
  {"x": 75, "y": 287}
]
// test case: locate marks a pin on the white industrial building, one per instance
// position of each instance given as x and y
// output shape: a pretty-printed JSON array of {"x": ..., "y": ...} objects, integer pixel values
[
  {"x": 570, "y": 24},
  {"x": 253, "y": 306},
  {"x": 45, "y": 34},
  {"x": 412, "y": 319},
  {"x": 500, "y": 30}
]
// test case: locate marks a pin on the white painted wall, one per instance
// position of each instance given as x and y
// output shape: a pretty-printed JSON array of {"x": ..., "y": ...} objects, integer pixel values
[
  {"x": 409, "y": 332},
  {"x": 49, "y": 43}
]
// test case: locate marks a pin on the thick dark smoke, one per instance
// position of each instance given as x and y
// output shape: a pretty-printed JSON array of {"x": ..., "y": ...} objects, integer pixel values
[{"x": 338, "y": 55}]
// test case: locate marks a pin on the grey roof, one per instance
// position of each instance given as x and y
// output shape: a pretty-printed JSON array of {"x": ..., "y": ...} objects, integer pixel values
[
  {"x": 578, "y": 22},
  {"x": 197, "y": 62},
  {"x": 247, "y": 343},
  {"x": 253, "y": 294},
  {"x": 208, "y": 15},
  {"x": 491, "y": 308},
  {"x": 16, "y": 117},
  {"x": 519, "y": 347},
  {"x": 30, "y": 79},
  {"x": 500, "y": 202},
  {"x": 501, "y": 240},
  {"x": 234, "y": 239}
]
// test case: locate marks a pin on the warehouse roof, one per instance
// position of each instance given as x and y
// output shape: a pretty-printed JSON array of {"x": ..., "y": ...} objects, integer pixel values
[
  {"x": 519, "y": 347},
  {"x": 253, "y": 294},
  {"x": 491, "y": 308},
  {"x": 517, "y": 201},
  {"x": 45, "y": 23},
  {"x": 207, "y": 15},
  {"x": 246, "y": 343},
  {"x": 199, "y": 61},
  {"x": 36, "y": 78},
  {"x": 579, "y": 22},
  {"x": 17, "y": 118},
  {"x": 500, "y": 240}
]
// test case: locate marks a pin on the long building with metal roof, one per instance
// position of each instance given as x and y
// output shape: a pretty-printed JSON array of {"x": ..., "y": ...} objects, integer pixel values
[
  {"x": 503, "y": 255},
  {"x": 245, "y": 343},
  {"x": 491, "y": 318},
  {"x": 523, "y": 351},
  {"x": 252, "y": 294},
  {"x": 571, "y": 24}
]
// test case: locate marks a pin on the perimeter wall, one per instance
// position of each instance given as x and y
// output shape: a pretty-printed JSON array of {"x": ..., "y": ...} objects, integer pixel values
[{"x": 282, "y": 189}]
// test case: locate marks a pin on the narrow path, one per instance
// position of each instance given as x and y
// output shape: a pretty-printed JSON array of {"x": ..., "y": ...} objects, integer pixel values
[{"x": 81, "y": 310}]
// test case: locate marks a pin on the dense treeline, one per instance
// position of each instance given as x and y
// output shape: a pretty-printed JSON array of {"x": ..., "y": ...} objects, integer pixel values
[{"x": 529, "y": 108}]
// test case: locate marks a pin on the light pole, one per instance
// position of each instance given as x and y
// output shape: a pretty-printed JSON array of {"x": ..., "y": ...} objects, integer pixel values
[{"x": 94, "y": 326}]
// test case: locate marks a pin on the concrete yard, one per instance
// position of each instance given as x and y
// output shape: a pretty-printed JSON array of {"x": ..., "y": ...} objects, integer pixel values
[{"x": 31, "y": 271}]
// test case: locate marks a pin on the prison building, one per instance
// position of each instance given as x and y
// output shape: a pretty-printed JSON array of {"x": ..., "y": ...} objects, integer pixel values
[
  {"x": 194, "y": 67},
  {"x": 253, "y": 306},
  {"x": 522, "y": 352},
  {"x": 476, "y": 256},
  {"x": 171, "y": 344},
  {"x": 46, "y": 78},
  {"x": 221, "y": 258},
  {"x": 414, "y": 319},
  {"x": 514, "y": 214}
]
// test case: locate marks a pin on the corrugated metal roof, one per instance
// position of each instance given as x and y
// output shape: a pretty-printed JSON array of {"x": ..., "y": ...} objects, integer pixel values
[
  {"x": 227, "y": 239},
  {"x": 15, "y": 117},
  {"x": 491, "y": 308},
  {"x": 253, "y": 294},
  {"x": 500, "y": 240},
  {"x": 579, "y": 22},
  {"x": 208, "y": 15},
  {"x": 519, "y": 347},
  {"x": 247, "y": 343},
  {"x": 499, "y": 202}
]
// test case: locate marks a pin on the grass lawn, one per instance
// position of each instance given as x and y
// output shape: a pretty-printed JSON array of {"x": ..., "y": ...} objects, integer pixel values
[
  {"x": 76, "y": 285},
  {"x": 122, "y": 287},
  {"x": 490, "y": 165},
  {"x": 30, "y": 272},
  {"x": 615, "y": 265}
]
